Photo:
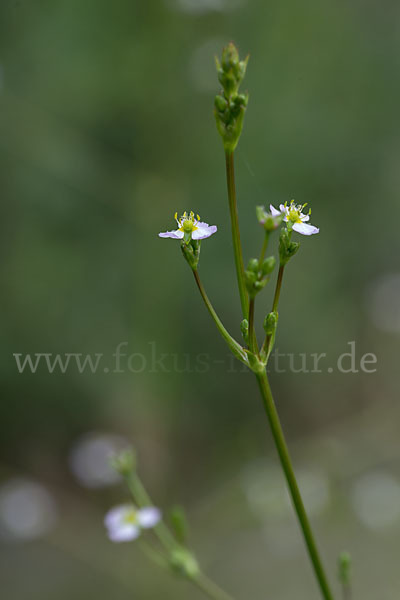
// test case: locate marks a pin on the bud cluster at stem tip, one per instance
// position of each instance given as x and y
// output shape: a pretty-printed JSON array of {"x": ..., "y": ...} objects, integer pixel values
[
  {"x": 257, "y": 274},
  {"x": 230, "y": 106}
]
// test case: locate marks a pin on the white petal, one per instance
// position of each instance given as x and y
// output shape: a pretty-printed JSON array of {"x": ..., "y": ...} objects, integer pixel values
[
  {"x": 273, "y": 210},
  {"x": 284, "y": 209},
  {"x": 304, "y": 217},
  {"x": 148, "y": 517},
  {"x": 305, "y": 229},
  {"x": 204, "y": 231},
  {"x": 124, "y": 533},
  {"x": 177, "y": 235},
  {"x": 117, "y": 515}
]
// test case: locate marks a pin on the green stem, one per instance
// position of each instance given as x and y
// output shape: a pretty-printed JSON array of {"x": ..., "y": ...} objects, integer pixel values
[
  {"x": 267, "y": 340},
  {"x": 237, "y": 247},
  {"x": 278, "y": 288},
  {"x": 142, "y": 498},
  {"x": 232, "y": 343},
  {"x": 286, "y": 463},
  {"x": 252, "y": 334},
  {"x": 264, "y": 247},
  {"x": 167, "y": 540},
  {"x": 211, "y": 589}
]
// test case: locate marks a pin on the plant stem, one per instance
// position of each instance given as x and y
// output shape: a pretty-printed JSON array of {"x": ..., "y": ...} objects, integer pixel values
[
  {"x": 211, "y": 589},
  {"x": 252, "y": 334},
  {"x": 232, "y": 343},
  {"x": 264, "y": 247},
  {"x": 237, "y": 247},
  {"x": 275, "y": 303},
  {"x": 142, "y": 498},
  {"x": 278, "y": 288},
  {"x": 286, "y": 463},
  {"x": 167, "y": 540}
]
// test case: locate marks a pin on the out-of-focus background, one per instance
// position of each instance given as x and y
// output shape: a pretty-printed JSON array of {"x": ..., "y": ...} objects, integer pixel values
[{"x": 107, "y": 130}]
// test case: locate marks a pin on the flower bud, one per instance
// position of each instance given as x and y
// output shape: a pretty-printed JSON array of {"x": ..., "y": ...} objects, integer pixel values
[
  {"x": 184, "y": 563},
  {"x": 270, "y": 323},
  {"x": 124, "y": 462},
  {"x": 244, "y": 328},
  {"x": 344, "y": 567},
  {"x": 268, "y": 265},
  {"x": 253, "y": 265},
  {"x": 287, "y": 248},
  {"x": 179, "y": 523}
]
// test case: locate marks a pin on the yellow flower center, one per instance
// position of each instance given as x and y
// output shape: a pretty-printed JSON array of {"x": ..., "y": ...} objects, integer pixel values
[
  {"x": 131, "y": 517},
  {"x": 294, "y": 211},
  {"x": 187, "y": 223}
]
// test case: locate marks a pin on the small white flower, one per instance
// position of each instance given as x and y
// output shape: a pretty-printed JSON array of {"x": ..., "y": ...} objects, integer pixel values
[
  {"x": 293, "y": 214},
  {"x": 125, "y": 522},
  {"x": 190, "y": 227}
]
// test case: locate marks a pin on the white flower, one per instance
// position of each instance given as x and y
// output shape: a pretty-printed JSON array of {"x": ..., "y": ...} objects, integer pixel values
[
  {"x": 125, "y": 522},
  {"x": 190, "y": 228},
  {"x": 293, "y": 214}
]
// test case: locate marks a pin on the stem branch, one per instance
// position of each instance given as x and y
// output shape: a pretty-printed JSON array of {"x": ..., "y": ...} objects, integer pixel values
[
  {"x": 232, "y": 343},
  {"x": 237, "y": 247}
]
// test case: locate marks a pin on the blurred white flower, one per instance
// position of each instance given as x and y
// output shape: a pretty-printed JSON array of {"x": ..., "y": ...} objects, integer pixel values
[
  {"x": 89, "y": 459},
  {"x": 376, "y": 500},
  {"x": 125, "y": 522},
  {"x": 27, "y": 510},
  {"x": 383, "y": 302}
]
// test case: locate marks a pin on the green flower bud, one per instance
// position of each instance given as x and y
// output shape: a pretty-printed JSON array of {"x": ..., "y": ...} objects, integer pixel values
[
  {"x": 230, "y": 106},
  {"x": 184, "y": 563},
  {"x": 344, "y": 568},
  {"x": 268, "y": 265},
  {"x": 179, "y": 523},
  {"x": 220, "y": 103},
  {"x": 270, "y": 323},
  {"x": 265, "y": 219},
  {"x": 244, "y": 328},
  {"x": 287, "y": 248},
  {"x": 124, "y": 462},
  {"x": 253, "y": 265}
]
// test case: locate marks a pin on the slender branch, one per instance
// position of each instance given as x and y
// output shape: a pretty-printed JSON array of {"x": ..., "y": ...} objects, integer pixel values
[
  {"x": 142, "y": 498},
  {"x": 211, "y": 589},
  {"x": 167, "y": 540},
  {"x": 264, "y": 247},
  {"x": 267, "y": 340},
  {"x": 237, "y": 247},
  {"x": 278, "y": 288},
  {"x": 252, "y": 334},
  {"x": 286, "y": 463},
  {"x": 232, "y": 343}
]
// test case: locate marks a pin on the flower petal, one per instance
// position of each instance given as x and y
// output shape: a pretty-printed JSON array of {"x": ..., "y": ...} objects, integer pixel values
[
  {"x": 274, "y": 211},
  {"x": 305, "y": 229},
  {"x": 177, "y": 235},
  {"x": 148, "y": 516},
  {"x": 203, "y": 231},
  {"x": 304, "y": 217},
  {"x": 284, "y": 209},
  {"x": 117, "y": 514},
  {"x": 124, "y": 533}
]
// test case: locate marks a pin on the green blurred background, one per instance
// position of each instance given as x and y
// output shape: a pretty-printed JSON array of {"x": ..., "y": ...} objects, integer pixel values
[{"x": 107, "y": 130}]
